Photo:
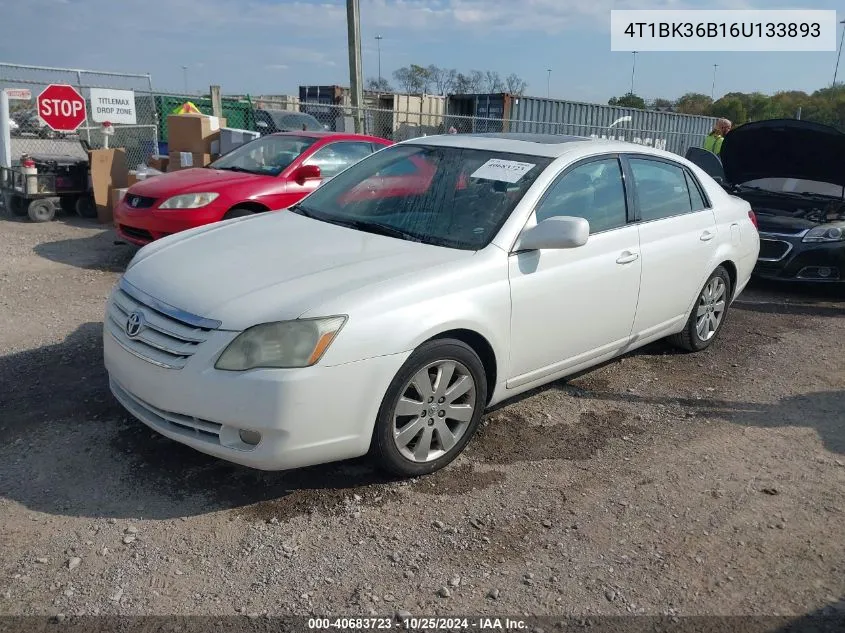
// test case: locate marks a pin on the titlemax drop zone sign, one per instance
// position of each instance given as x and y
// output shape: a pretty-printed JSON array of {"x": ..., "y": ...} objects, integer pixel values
[{"x": 114, "y": 106}]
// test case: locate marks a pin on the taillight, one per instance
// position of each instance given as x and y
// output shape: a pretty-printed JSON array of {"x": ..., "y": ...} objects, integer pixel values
[
  {"x": 753, "y": 217},
  {"x": 28, "y": 163}
]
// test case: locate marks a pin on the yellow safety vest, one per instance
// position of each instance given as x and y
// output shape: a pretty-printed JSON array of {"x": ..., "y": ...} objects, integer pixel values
[
  {"x": 186, "y": 108},
  {"x": 713, "y": 143}
]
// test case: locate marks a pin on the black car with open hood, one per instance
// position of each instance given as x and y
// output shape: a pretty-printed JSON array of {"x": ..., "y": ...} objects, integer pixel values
[{"x": 793, "y": 174}]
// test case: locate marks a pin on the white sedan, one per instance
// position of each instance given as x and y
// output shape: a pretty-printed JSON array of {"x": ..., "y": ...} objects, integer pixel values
[{"x": 433, "y": 279}]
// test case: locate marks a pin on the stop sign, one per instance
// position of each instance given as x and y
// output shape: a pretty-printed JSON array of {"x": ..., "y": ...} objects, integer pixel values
[{"x": 61, "y": 107}]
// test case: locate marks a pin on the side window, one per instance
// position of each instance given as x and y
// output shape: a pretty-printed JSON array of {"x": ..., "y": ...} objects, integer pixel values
[
  {"x": 695, "y": 193},
  {"x": 593, "y": 191},
  {"x": 661, "y": 189},
  {"x": 334, "y": 158}
]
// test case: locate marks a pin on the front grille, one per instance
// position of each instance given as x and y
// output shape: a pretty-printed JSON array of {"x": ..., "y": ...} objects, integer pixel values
[
  {"x": 139, "y": 234},
  {"x": 139, "y": 202},
  {"x": 163, "y": 339},
  {"x": 773, "y": 250},
  {"x": 185, "y": 425}
]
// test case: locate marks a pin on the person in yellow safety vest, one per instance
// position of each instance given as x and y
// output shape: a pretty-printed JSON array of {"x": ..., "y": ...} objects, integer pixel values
[
  {"x": 186, "y": 108},
  {"x": 713, "y": 141}
]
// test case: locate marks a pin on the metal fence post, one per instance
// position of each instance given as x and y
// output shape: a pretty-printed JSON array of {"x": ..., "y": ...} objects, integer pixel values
[
  {"x": 5, "y": 131},
  {"x": 87, "y": 127}
]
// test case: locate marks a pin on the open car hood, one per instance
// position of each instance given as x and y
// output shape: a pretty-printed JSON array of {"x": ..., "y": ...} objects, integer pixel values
[{"x": 784, "y": 148}]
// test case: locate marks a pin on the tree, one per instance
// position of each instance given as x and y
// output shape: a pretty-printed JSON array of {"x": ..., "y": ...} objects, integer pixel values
[
  {"x": 628, "y": 100},
  {"x": 442, "y": 79},
  {"x": 413, "y": 79},
  {"x": 515, "y": 85},
  {"x": 664, "y": 105},
  {"x": 379, "y": 85},
  {"x": 730, "y": 108},
  {"x": 694, "y": 103},
  {"x": 493, "y": 82}
]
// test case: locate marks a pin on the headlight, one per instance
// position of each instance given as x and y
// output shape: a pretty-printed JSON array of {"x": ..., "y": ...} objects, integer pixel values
[
  {"x": 826, "y": 233},
  {"x": 283, "y": 344},
  {"x": 189, "y": 201}
]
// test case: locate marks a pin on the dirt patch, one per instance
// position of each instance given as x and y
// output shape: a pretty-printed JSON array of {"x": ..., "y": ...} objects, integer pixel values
[
  {"x": 509, "y": 437},
  {"x": 458, "y": 480}
]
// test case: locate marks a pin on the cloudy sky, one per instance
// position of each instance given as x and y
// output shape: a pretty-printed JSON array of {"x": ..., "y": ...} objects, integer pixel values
[{"x": 273, "y": 46}]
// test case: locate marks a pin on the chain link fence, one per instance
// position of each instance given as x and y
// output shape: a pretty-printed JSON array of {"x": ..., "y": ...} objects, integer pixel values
[
  {"x": 31, "y": 135},
  {"x": 400, "y": 123}
]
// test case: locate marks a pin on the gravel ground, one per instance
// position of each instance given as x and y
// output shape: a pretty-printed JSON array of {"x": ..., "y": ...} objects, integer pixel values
[{"x": 661, "y": 483}]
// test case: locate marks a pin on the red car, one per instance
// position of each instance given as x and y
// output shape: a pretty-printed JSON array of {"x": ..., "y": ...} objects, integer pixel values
[{"x": 271, "y": 172}]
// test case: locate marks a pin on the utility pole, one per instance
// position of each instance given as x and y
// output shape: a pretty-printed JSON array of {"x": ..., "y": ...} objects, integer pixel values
[
  {"x": 379, "y": 38},
  {"x": 353, "y": 26},
  {"x": 633, "y": 71},
  {"x": 713, "y": 87},
  {"x": 836, "y": 70},
  {"x": 549, "y": 83}
]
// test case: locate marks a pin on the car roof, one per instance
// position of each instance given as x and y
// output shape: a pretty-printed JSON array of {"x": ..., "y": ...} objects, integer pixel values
[
  {"x": 547, "y": 145},
  {"x": 332, "y": 135}
]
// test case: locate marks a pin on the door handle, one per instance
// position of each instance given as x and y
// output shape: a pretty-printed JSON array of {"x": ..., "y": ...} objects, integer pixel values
[
  {"x": 627, "y": 257},
  {"x": 707, "y": 236}
]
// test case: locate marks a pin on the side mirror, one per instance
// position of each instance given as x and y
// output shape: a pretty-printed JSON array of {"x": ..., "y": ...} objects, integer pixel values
[
  {"x": 306, "y": 172},
  {"x": 558, "y": 232}
]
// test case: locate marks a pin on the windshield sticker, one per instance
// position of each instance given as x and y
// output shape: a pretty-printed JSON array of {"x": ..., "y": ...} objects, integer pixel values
[{"x": 502, "y": 170}]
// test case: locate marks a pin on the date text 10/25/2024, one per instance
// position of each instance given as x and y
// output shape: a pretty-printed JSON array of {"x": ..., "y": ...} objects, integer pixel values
[{"x": 417, "y": 623}]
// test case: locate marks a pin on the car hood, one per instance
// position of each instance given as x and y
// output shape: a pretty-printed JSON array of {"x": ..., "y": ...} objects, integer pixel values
[
  {"x": 784, "y": 148},
  {"x": 196, "y": 180},
  {"x": 272, "y": 267}
]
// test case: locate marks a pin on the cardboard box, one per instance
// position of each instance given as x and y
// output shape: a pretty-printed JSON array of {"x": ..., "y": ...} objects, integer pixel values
[
  {"x": 193, "y": 132},
  {"x": 230, "y": 138},
  {"x": 117, "y": 195},
  {"x": 132, "y": 178},
  {"x": 108, "y": 171},
  {"x": 158, "y": 161},
  {"x": 186, "y": 160}
]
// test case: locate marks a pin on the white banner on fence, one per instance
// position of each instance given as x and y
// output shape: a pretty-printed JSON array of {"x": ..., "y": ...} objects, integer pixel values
[
  {"x": 114, "y": 106},
  {"x": 18, "y": 94}
]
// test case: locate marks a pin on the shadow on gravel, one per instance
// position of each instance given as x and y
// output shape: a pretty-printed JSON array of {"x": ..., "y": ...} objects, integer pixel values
[
  {"x": 821, "y": 410},
  {"x": 69, "y": 448},
  {"x": 828, "y": 619},
  {"x": 96, "y": 252}
]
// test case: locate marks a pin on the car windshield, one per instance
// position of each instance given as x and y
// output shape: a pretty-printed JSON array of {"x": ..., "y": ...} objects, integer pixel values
[
  {"x": 447, "y": 196},
  {"x": 295, "y": 121},
  {"x": 267, "y": 155}
]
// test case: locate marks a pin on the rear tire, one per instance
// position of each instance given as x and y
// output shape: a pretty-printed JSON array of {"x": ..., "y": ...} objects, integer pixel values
[
  {"x": 708, "y": 314},
  {"x": 42, "y": 210},
  {"x": 238, "y": 212},
  {"x": 85, "y": 207},
  {"x": 431, "y": 409}
]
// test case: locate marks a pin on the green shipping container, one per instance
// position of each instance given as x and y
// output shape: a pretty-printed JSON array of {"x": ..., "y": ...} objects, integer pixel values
[{"x": 238, "y": 114}]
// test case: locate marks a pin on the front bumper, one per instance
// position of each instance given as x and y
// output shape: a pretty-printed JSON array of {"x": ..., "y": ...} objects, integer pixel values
[
  {"x": 142, "y": 226},
  {"x": 788, "y": 258},
  {"x": 305, "y": 416}
]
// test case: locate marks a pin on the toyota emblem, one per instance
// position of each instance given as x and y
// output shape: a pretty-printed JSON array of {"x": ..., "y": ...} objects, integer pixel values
[{"x": 134, "y": 324}]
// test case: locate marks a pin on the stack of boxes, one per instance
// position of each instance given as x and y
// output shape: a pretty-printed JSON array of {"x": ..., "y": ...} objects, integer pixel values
[{"x": 193, "y": 140}]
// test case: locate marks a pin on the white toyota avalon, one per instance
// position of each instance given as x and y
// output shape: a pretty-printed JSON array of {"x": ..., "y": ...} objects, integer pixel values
[{"x": 433, "y": 279}]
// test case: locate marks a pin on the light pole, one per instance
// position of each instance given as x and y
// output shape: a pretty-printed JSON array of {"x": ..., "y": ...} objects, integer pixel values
[
  {"x": 633, "y": 71},
  {"x": 836, "y": 70},
  {"x": 379, "y": 38},
  {"x": 185, "y": 77},
  {"x": 548, "y": 83},
  {"x": 713, "y": 87}
]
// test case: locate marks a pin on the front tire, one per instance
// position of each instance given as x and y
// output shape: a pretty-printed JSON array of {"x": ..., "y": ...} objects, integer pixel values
[
  {"x": 708, "y": 314},
  {"x": 431, "y": 410},
  {"x": 237, "y": 212},
  {"x": 41, "y": 210}
]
